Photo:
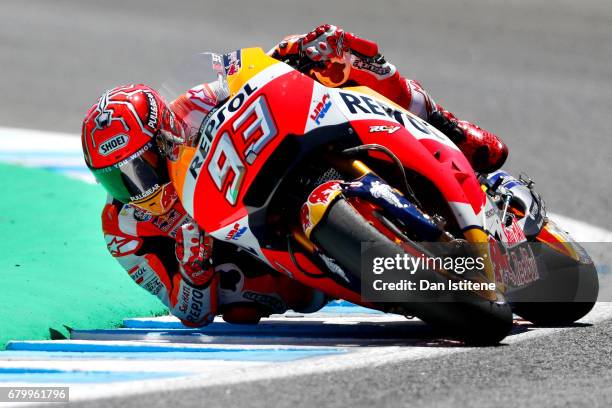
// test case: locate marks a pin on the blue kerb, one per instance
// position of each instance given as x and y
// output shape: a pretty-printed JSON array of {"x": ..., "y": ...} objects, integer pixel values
[
  {"x": 254, "y": 355},
  {"x": 42, "y": 375},
  {"x": 138, "y": 348}
]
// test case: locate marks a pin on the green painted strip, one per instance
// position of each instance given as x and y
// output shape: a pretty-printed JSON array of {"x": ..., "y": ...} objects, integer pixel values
[{"x": 54, "y": 267}]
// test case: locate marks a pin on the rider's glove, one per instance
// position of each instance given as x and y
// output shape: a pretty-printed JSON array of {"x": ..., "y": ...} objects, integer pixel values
[
  {"x": 328, "y": 42},
  {"x": 193, "y": 250}
]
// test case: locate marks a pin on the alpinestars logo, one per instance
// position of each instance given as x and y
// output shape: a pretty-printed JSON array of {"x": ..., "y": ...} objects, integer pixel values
[{"x": 121, "y": 246}]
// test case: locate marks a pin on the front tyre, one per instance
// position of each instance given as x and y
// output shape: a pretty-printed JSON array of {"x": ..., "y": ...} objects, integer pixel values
[
  {"x": 566, "y": 293},
  {"x": 471, "y": 318}
]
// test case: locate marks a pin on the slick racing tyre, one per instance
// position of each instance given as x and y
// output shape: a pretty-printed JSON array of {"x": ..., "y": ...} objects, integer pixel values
[
  {"x": 471, "y": 318},
  {"x": 565, "y": 294}
]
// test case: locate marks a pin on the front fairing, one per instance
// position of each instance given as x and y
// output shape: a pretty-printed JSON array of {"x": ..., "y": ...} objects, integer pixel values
[
  {"x": 420, "y": 146},
  {"x": 292, "y": 103}
]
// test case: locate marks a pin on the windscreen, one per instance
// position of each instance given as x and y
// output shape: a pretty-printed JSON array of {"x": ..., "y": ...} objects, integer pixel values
[{"x": 205, "y": 68}]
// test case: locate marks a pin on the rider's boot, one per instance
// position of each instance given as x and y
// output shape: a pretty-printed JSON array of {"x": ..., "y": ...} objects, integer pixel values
[
  {"x": 485, "y": 151},
  {"x": 245, "y": 298}
]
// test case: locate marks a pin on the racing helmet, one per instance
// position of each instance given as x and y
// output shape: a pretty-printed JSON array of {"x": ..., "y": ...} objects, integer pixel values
[{"x": 122, "y": 138}]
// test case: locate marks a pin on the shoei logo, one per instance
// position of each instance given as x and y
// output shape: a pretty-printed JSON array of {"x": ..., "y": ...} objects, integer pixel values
[{"x": 112, "y": 144}]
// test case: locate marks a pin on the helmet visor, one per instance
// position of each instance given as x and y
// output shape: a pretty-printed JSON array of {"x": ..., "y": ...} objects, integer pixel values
[{"x": 137, "y": 177}]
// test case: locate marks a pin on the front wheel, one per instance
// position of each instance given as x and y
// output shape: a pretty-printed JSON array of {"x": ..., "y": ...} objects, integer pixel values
[
  {"x": 566, "y": 293},
  {"x": 472, "y": 318}
]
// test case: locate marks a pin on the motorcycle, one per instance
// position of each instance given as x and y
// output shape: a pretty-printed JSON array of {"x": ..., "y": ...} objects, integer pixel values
[{"x": 308, "y": 178}]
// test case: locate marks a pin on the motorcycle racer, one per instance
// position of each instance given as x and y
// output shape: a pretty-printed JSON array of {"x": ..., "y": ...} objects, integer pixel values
[
  {"x": 148, "y": 231},
  {"x": 131, "y": 131}
]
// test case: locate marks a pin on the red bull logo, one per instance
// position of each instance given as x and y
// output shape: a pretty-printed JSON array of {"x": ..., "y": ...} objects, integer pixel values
[
  {"x": 514, "y": 234},
  {"x": 322, "y": 193},
  {"x": 316, "y": 206}
]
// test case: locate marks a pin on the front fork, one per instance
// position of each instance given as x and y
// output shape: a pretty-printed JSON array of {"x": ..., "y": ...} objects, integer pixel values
[{"x": 370, "y": 187}]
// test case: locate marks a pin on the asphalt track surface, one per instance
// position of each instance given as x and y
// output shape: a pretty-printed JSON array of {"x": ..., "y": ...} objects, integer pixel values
[
  {"x": 536, "y": 72},
  {"x": 571, "y": 369}
]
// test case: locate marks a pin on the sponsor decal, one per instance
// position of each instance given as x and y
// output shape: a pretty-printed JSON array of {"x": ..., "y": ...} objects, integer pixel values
[
  {"x": 524, "y": 267},
  {"x": 236, "y": 232},
  {"x": 174, "y": 231},
  {"x": 121, "y": 246},
  {"x": 499, "y": 261},
  {"x": 147, "y": 193},
  {"x": 274, "y": 303},
  {"x": 167, "y": 221},
  {"x": 153, "y": 119},
  {"x": 196, "y": 165},
  {"x": 384, "y": 191},
  {"x": 514, "y": 233},
  {"x": 232, "y": 62},
  {"x": 321, "y": 109},
  {"x": 357, "y": 104},
  {"x": 388, "y": 129},
  {"x": 213, "y": 122},
  {"x": 139, "y": 153},
  {"x": 202, "y": 96},
  {"x": 323, "y": 193},
  {"x": 315, "y": 207},
  {"x": 193, "y": 303},
  {"x": 112, "y": 144},
  {"x": 125, "y": 210},
  {"x": 514, "y": 267},
  {"x": 144, "y": 276},
  {"x": 375, "y": 68},
  {"x": 141, "y": 215},
  {"x": 307, "y": 224},
  {"x": 363, "y": 104}
]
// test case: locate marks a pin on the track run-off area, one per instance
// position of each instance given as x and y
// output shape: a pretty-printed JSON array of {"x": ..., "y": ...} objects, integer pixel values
[{"x": 153, "y": 354}]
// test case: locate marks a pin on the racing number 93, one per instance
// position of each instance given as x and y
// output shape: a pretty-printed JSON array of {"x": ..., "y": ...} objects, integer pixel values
[{"x": 256, "y": 128}]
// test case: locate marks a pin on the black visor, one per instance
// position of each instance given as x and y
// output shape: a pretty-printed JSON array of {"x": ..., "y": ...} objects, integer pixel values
[{"x": 137, "y": 177}]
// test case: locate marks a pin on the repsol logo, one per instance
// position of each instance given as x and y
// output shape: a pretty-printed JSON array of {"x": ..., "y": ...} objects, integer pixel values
[
  {"x": 360, "y": 104},
  {"x": 215, "y": 121},
  {"x": 192, "y": 304},
  {"x": 112, "y": 144}
]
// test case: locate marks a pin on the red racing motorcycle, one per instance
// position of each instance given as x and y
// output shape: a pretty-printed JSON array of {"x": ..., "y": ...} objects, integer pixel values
[{"x": 318, "y": 182}]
